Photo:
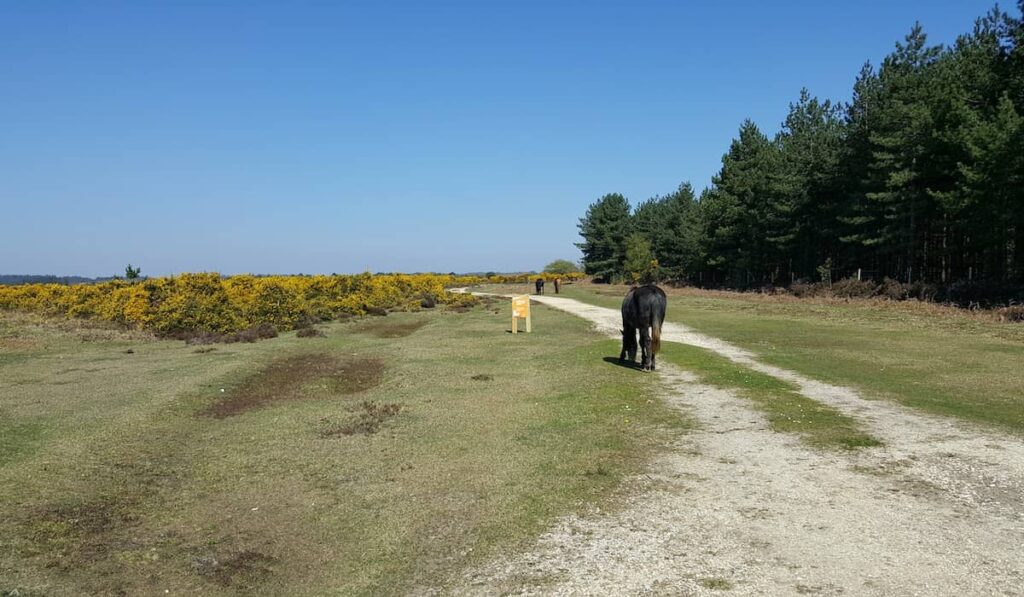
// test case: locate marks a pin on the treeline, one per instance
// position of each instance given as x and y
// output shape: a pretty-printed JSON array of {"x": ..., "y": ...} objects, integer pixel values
[
  {"x": 10, "y": 279},
  {"x": 918, "y": 179}
]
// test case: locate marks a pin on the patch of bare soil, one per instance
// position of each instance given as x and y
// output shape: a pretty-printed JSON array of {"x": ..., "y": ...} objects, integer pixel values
[
  {"x": 16, "y": 343},
  {"x": 72, "y": 534},
  {"x": 366, "y": 420},
  {"x": 938, "y": 510},
  {"x": 285, "y": 379},
  {"x": 244, "y": 569},
  {"x": 389, "y": 329}
]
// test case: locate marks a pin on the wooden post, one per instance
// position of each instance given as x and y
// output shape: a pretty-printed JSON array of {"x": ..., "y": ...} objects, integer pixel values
[{"x": 521, "y": 310}]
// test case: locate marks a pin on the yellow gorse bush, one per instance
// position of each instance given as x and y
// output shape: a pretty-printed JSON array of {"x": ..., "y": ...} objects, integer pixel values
[
  {"x": 213, "y": 303},
  {"x": 210, "y": 302}
]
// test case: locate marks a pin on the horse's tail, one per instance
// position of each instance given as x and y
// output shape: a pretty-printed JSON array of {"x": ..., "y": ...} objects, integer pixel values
[{"x": 656, "y": 334}]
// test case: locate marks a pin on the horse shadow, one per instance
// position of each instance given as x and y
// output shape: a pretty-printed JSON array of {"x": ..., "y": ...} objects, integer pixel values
[{"x": 624, "y": 364}]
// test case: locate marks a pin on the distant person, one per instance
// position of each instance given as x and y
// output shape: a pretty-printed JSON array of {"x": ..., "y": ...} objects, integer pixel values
[
  {"x": 540, "y": 285},
  {"x": 558, "y": 285}
]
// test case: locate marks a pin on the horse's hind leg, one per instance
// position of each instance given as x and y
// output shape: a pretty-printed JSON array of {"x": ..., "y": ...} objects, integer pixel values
[{"x": 645, "y": 346}]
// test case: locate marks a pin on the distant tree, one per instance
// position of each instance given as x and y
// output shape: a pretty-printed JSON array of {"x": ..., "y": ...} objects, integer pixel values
[
  {"x": 809, "y": 186},
  {"x": 132, "y": 273},
  {"x": 747, "y": 213},
  {"x": 561, "y": 266},
  {"x": 668, "y": 223},
  {"x": 641, "y": 265},
  {"x": 604, "y": 229}
]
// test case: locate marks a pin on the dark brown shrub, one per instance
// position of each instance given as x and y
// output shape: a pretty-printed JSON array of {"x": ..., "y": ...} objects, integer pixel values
[
  {"x": 306, "y": 321},
  {"x": 200, "y": 338},
  {"x": 260, "y": 331},
  {"x": 923, "y": 291},
  {"x": 893, "y": 290},
  {"x": 1012, "y": 314},
  {"x": 309, "y": 333},
  {"x": 805, "y": 290},
  {"x": 379, "y": 311},
  {"x": 854, "y": 288},
  {"x": 428, "y": 301}
]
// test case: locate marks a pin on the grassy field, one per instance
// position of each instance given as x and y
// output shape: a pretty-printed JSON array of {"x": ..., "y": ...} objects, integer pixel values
[
  {"x": 389, "y": 454},
  {"x": 941, "y": 360}
]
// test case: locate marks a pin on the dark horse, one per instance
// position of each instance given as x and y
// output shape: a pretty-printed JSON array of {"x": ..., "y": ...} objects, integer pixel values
[{"x": 643, "y": 309}]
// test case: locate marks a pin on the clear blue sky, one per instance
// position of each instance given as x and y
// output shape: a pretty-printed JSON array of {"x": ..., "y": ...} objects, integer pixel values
[{"x": 344, "y": 136}]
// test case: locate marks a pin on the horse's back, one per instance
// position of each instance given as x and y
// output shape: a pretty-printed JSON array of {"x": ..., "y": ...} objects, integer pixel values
[
  {"x": 650, "y": 295},
  {"x": 643, "y": 303}
]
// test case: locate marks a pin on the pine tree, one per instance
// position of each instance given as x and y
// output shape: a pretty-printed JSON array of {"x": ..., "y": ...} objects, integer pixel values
[
  {"x": 901, "y": 147},
  {"x": 604, "y": 229},
  {"x": 640, "y": 265},
  {"x": 746, "y": 217},
  {"x": 666, "y": 222},
  {"x": 810, "y": 142}
]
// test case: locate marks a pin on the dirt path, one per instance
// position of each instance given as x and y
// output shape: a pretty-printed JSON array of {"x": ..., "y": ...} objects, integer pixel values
[{"x": 938, "y": 511}]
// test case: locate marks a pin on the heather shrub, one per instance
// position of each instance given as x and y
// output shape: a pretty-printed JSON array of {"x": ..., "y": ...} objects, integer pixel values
[
  {"x": 923, "y": 291},
  {"x": 893, "y": 290},
  {"x": 805, "y": 289},
  {"x": 1012, "y": 314},
  {"x": 854, "y": 288}
]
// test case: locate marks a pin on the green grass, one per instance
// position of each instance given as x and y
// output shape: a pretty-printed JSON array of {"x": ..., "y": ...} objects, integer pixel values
[
  {"x": 715, "y": 583},
  {"x": 113, "y": 479},
  {"x": 933, "y": 359},
  {"x": 786, "y": 409}
]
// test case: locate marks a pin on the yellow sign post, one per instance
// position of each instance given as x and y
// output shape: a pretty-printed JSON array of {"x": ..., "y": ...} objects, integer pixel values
[{"x": 521, "y": 310}]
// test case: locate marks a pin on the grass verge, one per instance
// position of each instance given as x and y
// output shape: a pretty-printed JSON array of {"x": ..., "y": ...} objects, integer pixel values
[{"x": 787, "y": 410}]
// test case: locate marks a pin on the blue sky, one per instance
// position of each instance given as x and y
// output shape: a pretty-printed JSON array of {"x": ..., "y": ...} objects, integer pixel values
[{"x": 420, "y": 136}]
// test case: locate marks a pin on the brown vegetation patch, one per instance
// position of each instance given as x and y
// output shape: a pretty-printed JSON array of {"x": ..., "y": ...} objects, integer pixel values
[
  {"x": 204, "y": 349},
  {"x": 482, "y": 377},
  {"x": 366, "y": 420},
  {"x": 242, "y": 569},
  {"x": 260, "y": 331},
  {"x": 285, "y": 379},
  {"x": 17, "y": 343},
  {"x": 390, "y": 329},
  {"x": 77, "y": 528},
  {"x": 1011, "y": 314},
  {"x": 86, "y": 531},
  {"x": 309, "y": 333}
]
